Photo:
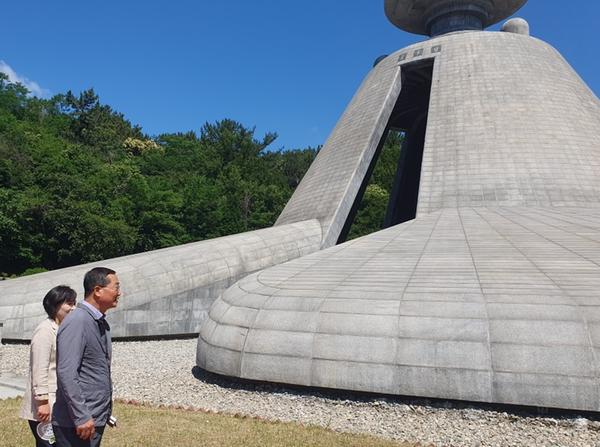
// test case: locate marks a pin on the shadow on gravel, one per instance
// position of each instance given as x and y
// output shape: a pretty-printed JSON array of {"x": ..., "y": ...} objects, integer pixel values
[{"x": 417, "y": 405}]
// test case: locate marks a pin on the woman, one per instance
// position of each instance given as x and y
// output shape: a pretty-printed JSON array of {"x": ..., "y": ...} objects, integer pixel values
[{"x": 41, "y": 392}]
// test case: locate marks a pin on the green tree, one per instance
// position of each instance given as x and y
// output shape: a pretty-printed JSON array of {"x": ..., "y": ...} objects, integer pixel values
[
  {"x": 79, "y": 182},
  {"x": 371, "y": 212},
  {"x": 370, "y": 215}
]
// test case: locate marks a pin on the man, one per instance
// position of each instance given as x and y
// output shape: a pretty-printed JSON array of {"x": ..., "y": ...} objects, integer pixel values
[{"x": 83, "y": 353}]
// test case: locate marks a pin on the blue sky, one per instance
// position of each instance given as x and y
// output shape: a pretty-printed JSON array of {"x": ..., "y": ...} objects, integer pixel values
[{"x": 285, "y": 66}]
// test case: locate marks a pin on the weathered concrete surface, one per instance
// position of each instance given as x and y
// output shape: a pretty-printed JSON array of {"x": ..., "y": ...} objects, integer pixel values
[
  {"x": 482, "y": 304},
  {"x": 165, "y": 292},
  {"x": 510, "y": 123},
  {"x": 492, "y": 293},
  {"x": 329, "y": 187}
]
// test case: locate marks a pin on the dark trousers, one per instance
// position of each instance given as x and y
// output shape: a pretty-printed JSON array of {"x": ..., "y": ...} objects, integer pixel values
[
  {"x": 67, "y": 437},
  {"x": 39, "y": 442}
]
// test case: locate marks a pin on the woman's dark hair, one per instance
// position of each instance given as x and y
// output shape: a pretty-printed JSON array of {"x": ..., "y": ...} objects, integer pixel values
[{"x": 55, "y": 297}]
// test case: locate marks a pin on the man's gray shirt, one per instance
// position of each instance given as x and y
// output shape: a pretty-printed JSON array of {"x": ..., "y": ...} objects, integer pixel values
[{"x": 83, "y": 354}]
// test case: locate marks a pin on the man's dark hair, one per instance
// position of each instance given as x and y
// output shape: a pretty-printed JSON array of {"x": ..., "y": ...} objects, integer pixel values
[
  {"x": 98, "y": 276},
  {"x": 55, "y": 297}
]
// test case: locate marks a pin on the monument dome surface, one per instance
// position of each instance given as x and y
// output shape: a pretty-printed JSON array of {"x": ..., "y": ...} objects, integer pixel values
[{"x": 486, "y": 284}]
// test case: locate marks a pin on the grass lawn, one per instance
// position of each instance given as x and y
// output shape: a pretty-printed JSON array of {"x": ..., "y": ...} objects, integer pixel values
[{"x": 152, "y": 426}]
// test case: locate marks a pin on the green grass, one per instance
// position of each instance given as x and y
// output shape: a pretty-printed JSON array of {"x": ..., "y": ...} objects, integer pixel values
[{"x": 141, "y": 425}]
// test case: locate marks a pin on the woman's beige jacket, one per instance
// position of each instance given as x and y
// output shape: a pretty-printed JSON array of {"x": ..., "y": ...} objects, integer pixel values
[{"x": 42, "y": 369}]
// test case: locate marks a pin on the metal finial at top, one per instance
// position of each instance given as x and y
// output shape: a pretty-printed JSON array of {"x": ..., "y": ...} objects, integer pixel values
[{"x": 435, "y": 17}]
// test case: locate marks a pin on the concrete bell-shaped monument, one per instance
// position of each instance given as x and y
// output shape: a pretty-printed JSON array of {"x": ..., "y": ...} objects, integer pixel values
[{"x": 485, "y": 283}]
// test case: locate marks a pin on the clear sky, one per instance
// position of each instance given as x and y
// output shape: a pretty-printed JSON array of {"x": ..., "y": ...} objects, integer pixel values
[{"x": 284, "y": 66}]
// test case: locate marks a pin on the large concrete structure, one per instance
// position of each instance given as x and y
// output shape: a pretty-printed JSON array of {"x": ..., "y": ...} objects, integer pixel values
[
  {"x": 168, "y": 291},
  {"x": 484, "y": 286}
]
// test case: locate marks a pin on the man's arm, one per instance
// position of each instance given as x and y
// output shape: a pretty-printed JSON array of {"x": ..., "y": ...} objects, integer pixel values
[{"x": 70, "y": 345}]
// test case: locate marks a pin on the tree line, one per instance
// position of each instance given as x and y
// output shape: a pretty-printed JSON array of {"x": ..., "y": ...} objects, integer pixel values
[{"x": 79, "y": 182}]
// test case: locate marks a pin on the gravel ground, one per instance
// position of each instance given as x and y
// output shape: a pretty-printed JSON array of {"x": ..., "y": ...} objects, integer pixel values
[{"x": 163, "y": 372}]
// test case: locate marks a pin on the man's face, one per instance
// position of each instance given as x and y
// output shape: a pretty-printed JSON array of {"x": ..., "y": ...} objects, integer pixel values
[{"x": 107, "y": 297}]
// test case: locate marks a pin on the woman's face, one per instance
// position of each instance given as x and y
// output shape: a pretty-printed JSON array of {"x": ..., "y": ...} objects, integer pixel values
[{"x": 63, "y": 310}]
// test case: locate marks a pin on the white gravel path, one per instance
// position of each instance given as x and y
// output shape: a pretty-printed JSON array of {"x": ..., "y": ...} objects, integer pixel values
[{"x": 163, "y": 372}]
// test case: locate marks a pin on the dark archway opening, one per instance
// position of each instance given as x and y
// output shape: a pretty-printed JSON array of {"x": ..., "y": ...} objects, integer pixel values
[
  {"x": 409, "y": 120},
  {"x": 410, "y": 115}
]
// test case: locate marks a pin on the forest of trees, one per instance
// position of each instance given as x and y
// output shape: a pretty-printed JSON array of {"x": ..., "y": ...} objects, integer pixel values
[{"x": 79, "y": 182}]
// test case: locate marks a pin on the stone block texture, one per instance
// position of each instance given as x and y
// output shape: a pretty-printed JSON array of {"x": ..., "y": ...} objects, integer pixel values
[
  {"x": 492, "y": 293},
  {"x": 165, "y": 292},
  {"x": 510, "y": 123},
  {"x": 475, "y": 303},
  {"x": 329, "y": 187}
]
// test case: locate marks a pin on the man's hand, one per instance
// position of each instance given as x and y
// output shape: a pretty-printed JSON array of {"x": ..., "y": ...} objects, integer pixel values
[
  {"x": 43, "y": 412},
  {"x": 85, "y": 431}
]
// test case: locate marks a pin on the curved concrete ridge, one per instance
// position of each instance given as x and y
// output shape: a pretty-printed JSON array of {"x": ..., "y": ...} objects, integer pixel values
[
  {"x": 481, "y": 304},
  {"x": 167, "y": 291}
]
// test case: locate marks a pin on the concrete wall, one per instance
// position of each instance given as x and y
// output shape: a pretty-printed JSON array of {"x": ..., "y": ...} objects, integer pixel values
[
  {"x": 510, "y": 123},
  {"x": 481, "y": 304},
  {"x": 165, "y": 292},
  {"x": 328, "y": 189},
  {"x": 492, "y": 293}
]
